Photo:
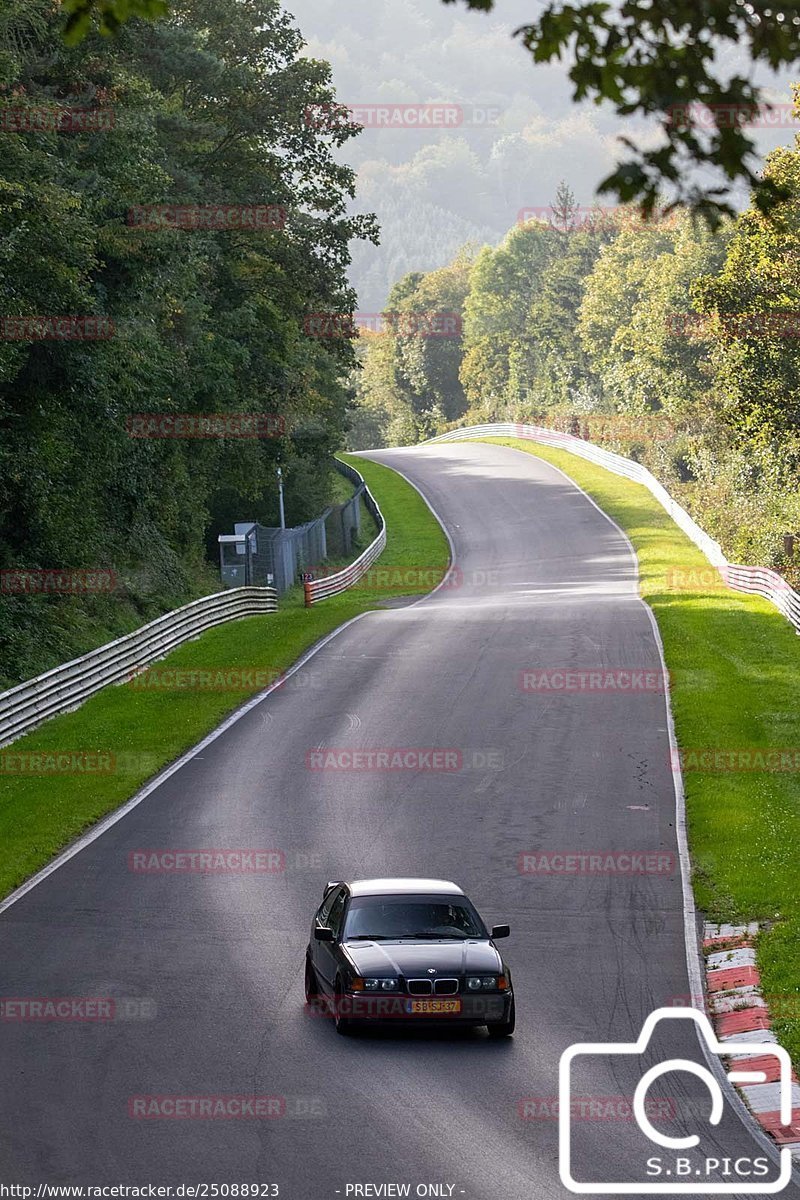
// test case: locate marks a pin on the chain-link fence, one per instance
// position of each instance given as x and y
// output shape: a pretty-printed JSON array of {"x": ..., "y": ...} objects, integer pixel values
[
  {"x": 258, "y": 555},
  {"x": 343, "y": 526}
]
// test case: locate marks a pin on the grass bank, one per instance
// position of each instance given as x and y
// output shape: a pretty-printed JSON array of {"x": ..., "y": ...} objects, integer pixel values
[
  {"x": 140, "y": 731},
  {"x": 734, "y": 665}
]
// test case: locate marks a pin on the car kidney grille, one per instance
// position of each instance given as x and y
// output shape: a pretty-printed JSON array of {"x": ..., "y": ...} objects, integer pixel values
[
  {"x": 445, "y": 987},
  {"x": 420, "y": 987}
]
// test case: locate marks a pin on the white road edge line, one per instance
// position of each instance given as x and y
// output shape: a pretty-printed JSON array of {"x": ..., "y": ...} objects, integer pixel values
[
  {"x": 690, "y": 925},
  {"x": 106, "y": 822},
  {"x": 689, "y": 914},
  {"x": 111, "y": 819}
]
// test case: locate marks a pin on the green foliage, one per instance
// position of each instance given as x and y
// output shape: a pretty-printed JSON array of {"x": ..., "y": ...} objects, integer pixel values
[
  {"x": 657, "y": 60},
  {"x": 409, "y": 386},
  {"x": 641, "y": 282},
  {"x": 520, "y": 349},
  {"x": 108, "y": 15},
  {"x": 145, "y": 729},
  {"x": 758, "y": 370},
  {"x": 677, "y": 323},
  {"x": 651, "y": 338},
  {"x": 726, "y": 652},
  {"x": 645, "y": 59},
  {"x": 207, "y": 108}
]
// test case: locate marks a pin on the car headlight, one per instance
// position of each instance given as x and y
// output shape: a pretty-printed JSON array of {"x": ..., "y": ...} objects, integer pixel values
[
  {"x": 380, "y": 985},
  {"x": 477, "y": 983}
]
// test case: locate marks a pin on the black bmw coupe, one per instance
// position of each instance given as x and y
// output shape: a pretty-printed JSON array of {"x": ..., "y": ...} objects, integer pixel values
[{"x": 406, "y": 949}]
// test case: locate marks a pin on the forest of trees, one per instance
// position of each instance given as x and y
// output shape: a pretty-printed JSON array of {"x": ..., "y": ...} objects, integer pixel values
[
  {"x": 659, "y": 339},
  {"x": 204, "y": 108},
  {"x": 580, "y": 323}
]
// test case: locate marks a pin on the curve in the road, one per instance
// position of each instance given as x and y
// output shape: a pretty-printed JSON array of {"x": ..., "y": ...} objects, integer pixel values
[{"x": 547, "y": 584}]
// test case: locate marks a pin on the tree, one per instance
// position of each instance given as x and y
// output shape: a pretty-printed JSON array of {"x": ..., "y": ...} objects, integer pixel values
[
  {"x": 428, "y": 334},
  {"x": 666, "y": 60},
  {"x": 752, "y": 323},
  {"x": 209, "y": 110},
  {"x": 108, "y": 14},
  {"x": 607, "y": 319},
  {"x": 408, "y": 386},
  {"x": 651, "y": 59},
  {"x": 499, "y": 344},
  {"x": 564, "y": 208},
  {"x": 561, "y": 366},
  {"x": 520, "y": 347}
]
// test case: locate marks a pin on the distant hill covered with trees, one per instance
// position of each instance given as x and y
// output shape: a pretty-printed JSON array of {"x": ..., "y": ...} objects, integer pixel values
[{"x": 666, "y": 342}]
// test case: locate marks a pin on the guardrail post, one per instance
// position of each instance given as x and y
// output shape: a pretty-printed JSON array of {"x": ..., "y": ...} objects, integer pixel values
[{"x": 307, "y": 593}]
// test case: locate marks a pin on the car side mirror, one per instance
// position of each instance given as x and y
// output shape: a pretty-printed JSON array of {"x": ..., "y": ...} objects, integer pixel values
[
  {"x": 323, "y": 934},
  {"x": 500, "y": 931}
]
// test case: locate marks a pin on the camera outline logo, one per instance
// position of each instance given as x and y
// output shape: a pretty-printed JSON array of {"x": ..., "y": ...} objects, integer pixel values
[{"x": 711, "y": 1044}]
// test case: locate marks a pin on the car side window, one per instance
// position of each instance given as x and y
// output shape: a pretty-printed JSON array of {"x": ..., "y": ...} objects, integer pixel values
[
  {"x": 334, "y": 920},
  {"x": 324, "y": 909}
]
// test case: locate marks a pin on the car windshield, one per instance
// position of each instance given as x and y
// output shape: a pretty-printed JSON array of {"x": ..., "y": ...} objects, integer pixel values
[{"x": 388, "y": 917}]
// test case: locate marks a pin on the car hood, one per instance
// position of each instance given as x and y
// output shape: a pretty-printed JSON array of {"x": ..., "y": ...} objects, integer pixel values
[{"x": 412, "y": 959}]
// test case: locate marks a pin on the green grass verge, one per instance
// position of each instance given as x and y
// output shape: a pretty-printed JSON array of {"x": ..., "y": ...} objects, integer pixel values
[
  {"x": 734, "y": 666},
  {"x": 139, "y": 731}
]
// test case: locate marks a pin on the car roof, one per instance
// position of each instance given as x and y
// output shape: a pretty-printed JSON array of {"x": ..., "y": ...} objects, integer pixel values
[{"x": 393, "y": 887}]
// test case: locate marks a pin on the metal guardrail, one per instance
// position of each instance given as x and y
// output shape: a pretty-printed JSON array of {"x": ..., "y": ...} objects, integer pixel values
[
  {"x": 331, "y": 585},
  {"x": 758, "y": 581},
  {"x": 65, "y": 687}
]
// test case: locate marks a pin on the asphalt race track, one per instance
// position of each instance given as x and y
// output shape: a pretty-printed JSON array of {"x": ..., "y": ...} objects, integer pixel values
[{"x": 217, "y": 960}]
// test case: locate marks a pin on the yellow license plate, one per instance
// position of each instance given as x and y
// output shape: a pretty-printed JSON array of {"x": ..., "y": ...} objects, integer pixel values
[{"x": 434, "y": 1007}]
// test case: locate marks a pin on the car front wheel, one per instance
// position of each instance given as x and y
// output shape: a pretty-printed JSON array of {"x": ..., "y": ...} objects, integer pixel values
[{"x": 500, "y": 1029}]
